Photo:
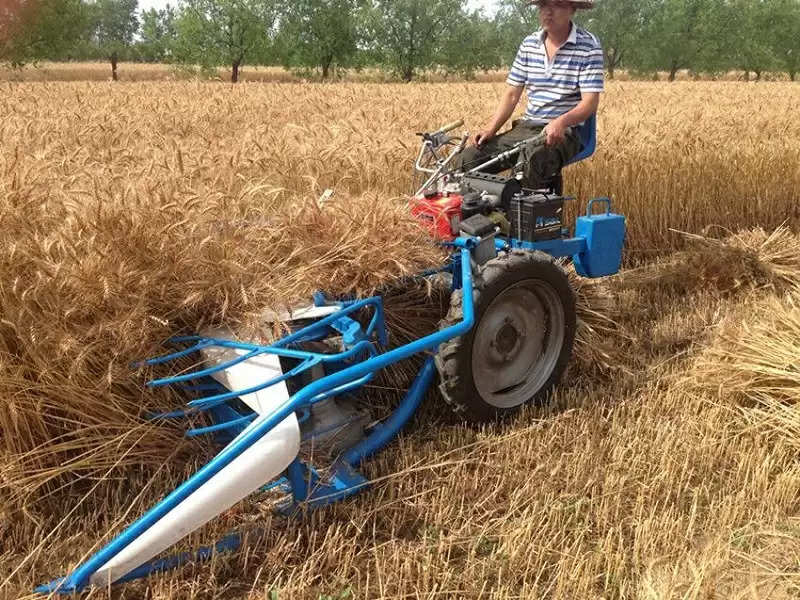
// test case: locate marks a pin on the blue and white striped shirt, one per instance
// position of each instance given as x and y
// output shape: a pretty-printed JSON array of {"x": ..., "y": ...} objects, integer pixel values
[{"x": 555, "y": 88}]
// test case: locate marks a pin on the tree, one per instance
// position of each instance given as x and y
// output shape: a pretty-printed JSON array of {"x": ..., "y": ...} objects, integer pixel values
[
  {"x": 515, "y": 20},
  {"x": 157, "y": 34},
  {"x": 406, "y": 35},
  {"x": 116, "y": 25},
  {"x": 618, "y": 25},
  {"x": 320, "y": 33},
  {"x": 747, "y": 31},
  {"x": 224, "y": 32},
  {"x": 785, "y": 38},
  {"x": 682, "y": 34},
  {"x": 32, "y": 30},
  {"x": 472, "y": 43}
]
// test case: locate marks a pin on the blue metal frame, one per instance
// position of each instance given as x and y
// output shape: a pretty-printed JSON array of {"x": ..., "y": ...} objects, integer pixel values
[
  {"x": 559, "y": 247},
  {"x": 305, "y": 487},
  {"x": 346, "y": 371}
]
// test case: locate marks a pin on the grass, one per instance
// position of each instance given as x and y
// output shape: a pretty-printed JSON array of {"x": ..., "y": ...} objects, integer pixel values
[{"x": 664, "y": 467}]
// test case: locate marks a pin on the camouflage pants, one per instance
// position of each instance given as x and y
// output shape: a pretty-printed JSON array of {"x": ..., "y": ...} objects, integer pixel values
[{"x": 539, "y": 167}]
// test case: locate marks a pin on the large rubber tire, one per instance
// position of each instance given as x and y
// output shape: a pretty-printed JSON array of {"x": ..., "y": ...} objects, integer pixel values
[{"x": 525, "y": 309}]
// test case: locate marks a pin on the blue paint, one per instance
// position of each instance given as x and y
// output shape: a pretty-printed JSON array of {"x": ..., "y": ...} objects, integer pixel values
[
  {"x": 309, "y": 490},
  {"x": 343, "y": 389},
  {"x": 605, "y": 237},
  {"x": 208, "y": 371},
  {"x": 559, "y": 247},
  {"x": 384, "y": 432},
  {"x": 264, "y": 423},
  {"x": 168, "y": 357},
  {"x": 201, "y": 403},
  {"x": 233, "y": 423},
  {"x": 588, "y": 135},
  {"x": 229, "y": 543},
  {"x": 350, "y": 330}
]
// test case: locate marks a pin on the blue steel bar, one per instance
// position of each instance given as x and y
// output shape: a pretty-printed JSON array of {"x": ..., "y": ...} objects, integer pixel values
[
  {"x": 386, "y": 431},
  {"x": 229, "y": 543},
  {"x": 328, "y": 320},
  {"x": 343, "y": 388},
  {"x": 209, "y": 371},
  {"x": 213, "y": 400},
  {"x": 168, "y": 357},
  {"x": 79, "y": 578},
  {"x": 311, "y": 359},
  {"x": 250, "y": 346},
  {"x": 221, "y": 426},
  {"x": 558, "y": 247},
  {"x": 257, "y": 350}
]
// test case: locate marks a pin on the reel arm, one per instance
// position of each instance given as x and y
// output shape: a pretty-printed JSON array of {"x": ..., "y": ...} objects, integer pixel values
[{"x": 239, "y": 469}]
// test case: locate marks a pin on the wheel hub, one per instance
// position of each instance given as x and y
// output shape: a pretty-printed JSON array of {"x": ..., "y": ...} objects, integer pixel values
[
  {"x": 517, "y": 343},
  {"x": 507, "y": 340}
]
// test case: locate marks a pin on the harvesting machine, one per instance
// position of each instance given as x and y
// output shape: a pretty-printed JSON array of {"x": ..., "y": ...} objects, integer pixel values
[{"x": 505, "y": 342}]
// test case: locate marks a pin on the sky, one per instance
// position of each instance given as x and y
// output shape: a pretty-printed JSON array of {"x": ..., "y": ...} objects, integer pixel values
[{"x": 488, "y": 5}]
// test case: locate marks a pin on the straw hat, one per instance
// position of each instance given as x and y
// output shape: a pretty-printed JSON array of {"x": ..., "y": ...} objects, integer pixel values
[{"x": 575, "y": 3}]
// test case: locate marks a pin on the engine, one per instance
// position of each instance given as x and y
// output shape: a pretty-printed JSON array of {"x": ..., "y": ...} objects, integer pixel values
[{"x": 514, "y": 211}]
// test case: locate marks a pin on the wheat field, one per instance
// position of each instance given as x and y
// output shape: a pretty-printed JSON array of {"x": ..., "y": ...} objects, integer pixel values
[{"x": 665, "y": 465}]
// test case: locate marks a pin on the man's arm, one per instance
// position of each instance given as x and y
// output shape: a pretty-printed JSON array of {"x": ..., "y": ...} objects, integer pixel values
[
  {"x": 506, "y": 108},
  {"x": 585, "y": 109}
]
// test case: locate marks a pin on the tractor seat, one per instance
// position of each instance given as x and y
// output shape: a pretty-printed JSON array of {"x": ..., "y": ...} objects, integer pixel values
[{"x": 588, "y": 134}]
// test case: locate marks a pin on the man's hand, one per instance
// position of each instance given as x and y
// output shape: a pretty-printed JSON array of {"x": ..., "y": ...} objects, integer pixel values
[
  {"x": 555, "y": 132},
  {"x": 480, "y": 138}
]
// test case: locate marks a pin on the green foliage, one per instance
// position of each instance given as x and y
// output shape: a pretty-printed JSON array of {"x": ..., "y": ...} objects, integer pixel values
[
  {"x": 157, "y": 34},
  {"x": 784, "y": 40},
  {"x": 407, "y": 35},
  {"x": 679, "y": 34},
  {"x": 402, "y": 36},
  {"x": 515, "y": 20},
  {"x": 344, "y": 594},
  {"x": 224, "y": 32},
  {"x": 751, "y": 52},
  {"x": 320, "y": 33},
  {"x": 33, "y": 30},
  {"x": 619, "y": 24},
  {"x": 114, "y": 26},
  {"x": 472, "y": 43}
]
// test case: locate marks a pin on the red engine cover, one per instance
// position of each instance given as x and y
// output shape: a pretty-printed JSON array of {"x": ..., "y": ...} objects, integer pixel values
[{"x": 440, "y": 214}]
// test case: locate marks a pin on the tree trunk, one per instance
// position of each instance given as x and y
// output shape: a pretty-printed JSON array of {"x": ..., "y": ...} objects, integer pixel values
[
  {"x": 326, "y": 67},
  {"x": 792, "y": 75},
  {"x": 613, "y": 59},
  {"x": 235, "y": 71},
  {"x": 673, "y": 70},
  {"x": 746, "y": 75},
  {"x": 408, "y": 74},
  {"x": 113, "y": 58},
  {"x": 758, "y": 75}
]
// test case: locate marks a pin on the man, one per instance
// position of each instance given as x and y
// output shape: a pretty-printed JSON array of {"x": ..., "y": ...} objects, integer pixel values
[{"x": 562, "y": 67}]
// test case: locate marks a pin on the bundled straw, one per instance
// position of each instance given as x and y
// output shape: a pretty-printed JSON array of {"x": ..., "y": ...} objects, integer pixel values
[
  {"x": 755, "y": 361},
  {"x": 749, "y": 259},
  {"x": 601, "y": 338}
]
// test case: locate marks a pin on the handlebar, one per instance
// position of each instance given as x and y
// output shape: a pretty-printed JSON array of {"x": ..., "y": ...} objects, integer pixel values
[
  {"x": 535, "y": 141},
  {"x": 449, "y": 127}
]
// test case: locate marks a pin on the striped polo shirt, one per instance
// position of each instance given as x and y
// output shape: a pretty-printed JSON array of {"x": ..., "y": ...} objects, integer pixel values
[{"x": 554, "y": 87}]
